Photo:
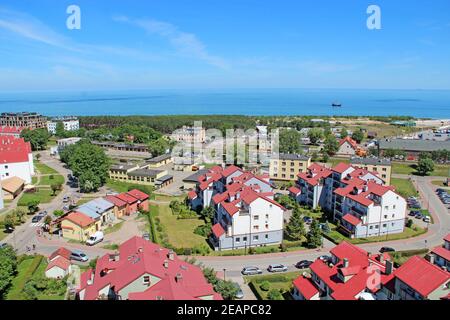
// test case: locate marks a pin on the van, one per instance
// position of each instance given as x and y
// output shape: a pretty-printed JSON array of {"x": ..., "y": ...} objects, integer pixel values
[
  {"x": 95, "y": 238},
  {"x": 78, "y": 256}
]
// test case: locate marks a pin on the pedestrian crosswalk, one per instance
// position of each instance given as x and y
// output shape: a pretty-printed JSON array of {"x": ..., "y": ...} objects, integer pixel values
[{"x": 37, "y": 224}]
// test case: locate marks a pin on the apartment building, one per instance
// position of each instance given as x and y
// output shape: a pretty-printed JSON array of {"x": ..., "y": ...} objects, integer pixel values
[
  {"x": 142, "y": 270},
  {"x": 16, "y": 159},
  {"x": 245, "y": 213},
  {"x": 373, "y": 164},
  {"x": 285, "y": 167},
  {"x": 69, "y": 124},
  {"x": 145, "y": 175},
  {"x": 189, "y": 135},
  {"x": 357, "y": 198},
  {"x": 440, "y": 256},
  {"x": 30, "y": 120}
]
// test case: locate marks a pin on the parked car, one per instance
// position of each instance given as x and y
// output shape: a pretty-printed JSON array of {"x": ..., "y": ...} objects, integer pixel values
[
  {"x": 66, "y": 199},
  {"x": 79, "y": 256},
  {"x": 303, "y": 264},
  {"x": 2, "y": 245},
  {"x": 66, "y": 208},
  {"x": 146, "y": 236},
  {"x": 43, "y": 213},
  {"x": 36, "y": 219},
  {"x": 239, "y": 294},
  {"x": 8, "y": 229},
  {"x": 416, "y": 206},
  {"x": 413, "y": 213},
  {"x": 95, "y": 238},
  {"x": 325, "y": 227},
  {"x": 307, "y": 220},
  {"x": 248, "y": 271},
  {"x": 325, "y": 258},
  {"x": 427, "y": 219},
  {"x": 386, "y": 249},
  {"x": 419, "y": 216},
  {"x": 277, "y": 268}
]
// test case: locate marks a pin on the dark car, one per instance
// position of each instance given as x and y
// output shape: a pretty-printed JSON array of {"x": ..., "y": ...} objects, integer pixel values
[
  {"x": 387, "y": 249},
  {"x": 419, "y": 216},
  {"x": 36, "y": 219},
  {"x": 303, "y": 264},
  {"x": 9, "y": 229},
  {"x": 307, "y": 220},
  {"x": 413, "y": 213},
  {"x": 325, "y": 258}
]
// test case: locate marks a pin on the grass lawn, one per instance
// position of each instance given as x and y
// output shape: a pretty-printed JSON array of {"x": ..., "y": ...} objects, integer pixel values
[
  {"x": 404, "y": 187},
  {"x": 180, "y": 232},
  {"x": 47, "y": 181},
  {"x": 400, "y": 257},
  {"x": 162, "y": 197},
  {"x": 42, "y": 194},
  {"x": 34, "y": 180},
  {"x": 440, "y": 183},
  {"x": 114, "y": 228},
  {"x": 2, "y": 235},
  {"x": 335, "y": 236},
  {"x": 281, "y": 282},
  {"x": 44, "y": 169},
  {"x": 410, "y": 168},
  {"x": 334, "y": 161}
]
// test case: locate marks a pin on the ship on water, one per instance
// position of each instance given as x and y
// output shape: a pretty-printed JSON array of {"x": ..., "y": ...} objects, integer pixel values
[{"x": 336, "y": 104}]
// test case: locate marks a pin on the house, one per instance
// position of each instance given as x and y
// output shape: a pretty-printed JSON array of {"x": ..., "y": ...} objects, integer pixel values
[
  {"x": 440, "y": 256},
  {"x": 191, "y": 181},
  {"x": 79, "y": 226},
  {"x": 295, "y": 192},
  {"x": 143, "y": 203},
  {"x": 418, "y": 279},
  {"x": 160, "y": 161},
  {"x": 353, "y": 274},
  {"x": 135, "y": 174},
  {"x": 63, "y": 143},
  {"x": 189, "y": 135},
  {"x": 356, "y": 197},
  {"x": 120, "y": 206},
  {"x": 60, "y": 252},
  {"x": 12, "y": 187},
  {"x": 142, "y": 270},
  {"x": 347, "y": 147},
  {"x": 58, "y": 268},
  {"x": 11, "y": 131},
  {"x": 99, "y": 209},
  {"x": 132, "y": 203},
  {"x": 381, "y": 165},
  {"x": 16, "y": 159},
  {"x": 286, "y": 166}
]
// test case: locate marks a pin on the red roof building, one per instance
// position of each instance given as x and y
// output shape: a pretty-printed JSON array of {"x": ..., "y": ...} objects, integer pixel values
[
  {"x": 61, "y": 252},
  {"x": 142, "y": 270}
]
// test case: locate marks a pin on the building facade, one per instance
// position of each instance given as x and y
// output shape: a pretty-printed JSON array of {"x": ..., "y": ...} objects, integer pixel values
[
  {"x": 189, "y": 135},
  {"x": 379, "y": 165},
  {"x": 69, "y": 124},
  {"x": 30, "y": 120},
  {"x": 286, "y": 166},
  {"x": 144, "y": 175},
  {"x": 16, "y": 159}
]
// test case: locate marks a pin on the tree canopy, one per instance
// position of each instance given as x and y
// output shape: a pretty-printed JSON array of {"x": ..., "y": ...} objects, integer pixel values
[
  {"x": 290, "y": 141},
  {"x": 38, "y": 138}
]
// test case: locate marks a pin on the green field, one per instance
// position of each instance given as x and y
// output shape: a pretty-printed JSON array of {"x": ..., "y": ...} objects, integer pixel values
[
  {"x": 44, "y": 169},
  {"x": 281, "y": 282},
  {"x": 404, "y": 187},
  {"x": 42, "y": 195},
  {"x": 405, "y": 168},
  {"x": 440, "y": 183},
  {"x": 180, "y": 232},
  {"x": 47, "y": 180}
]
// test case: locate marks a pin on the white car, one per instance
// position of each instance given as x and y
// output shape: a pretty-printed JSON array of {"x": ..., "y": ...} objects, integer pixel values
[
  {"x": 277, "y": 268},
  {"x": 95, "y": 238}
]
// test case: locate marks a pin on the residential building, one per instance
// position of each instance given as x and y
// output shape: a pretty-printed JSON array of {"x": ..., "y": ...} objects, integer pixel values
[
  {"x": 99, "y": 209},
  {"x": 59, "y": 264},
  {"x": 356, "y": 197},
  {"x": 285, "y": 167},
  {"x": 347, "y": 147},
  {"x": 351, "y": 275},
  {"x": 373, "y": 164},
  {"x": 12, "y": 187},
  {"x": 63, "y": 143},
  {"x": 440, "y": 256},
  {"x": 123, "y": 147},
  {"x": 120, "y": 206},
  {"x": 140, "y": 175},
  {"x": 245, "y": 213},
  {"x": 142, "y": 270},
  {"x": 78, "y": 226},
  {"x": 11, "y": 131},
  {"x": 189, "y": 135},
  {"x": 190, "y": 182},
  {"x": 159, "y": 161},
  {"x": 30, "y": 120},
  {"x": 16, "y": 159},
  {"x": 69, "y": 124}
]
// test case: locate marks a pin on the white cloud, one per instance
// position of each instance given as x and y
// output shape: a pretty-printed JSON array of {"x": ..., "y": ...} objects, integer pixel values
[{"x": 185, "y": 43}]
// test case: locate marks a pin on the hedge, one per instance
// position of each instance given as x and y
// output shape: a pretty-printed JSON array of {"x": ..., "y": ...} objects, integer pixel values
[{"x": 18, "y": 289}]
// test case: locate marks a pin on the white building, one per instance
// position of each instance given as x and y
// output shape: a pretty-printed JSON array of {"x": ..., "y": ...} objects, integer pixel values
[
  {"x": 245, "y": 213},
  {"x": 16, "y": 159},
  {"x": 69, "y": 123},
  {"x": 62, "y": 143}
]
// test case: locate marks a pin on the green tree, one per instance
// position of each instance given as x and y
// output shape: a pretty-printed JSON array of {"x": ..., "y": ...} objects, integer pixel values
[
  {"x": 208, "y": 214},
  {"x": 425, "y": 166},
  {"x": 8, "y": 268},
  {"x": 274, "y": 294},
  {"x": 33, "y": 206},
  {"x": 295, "y": 229},
  {"x": 55, "y": 187},
  {"x": 158, "y": 147},
  {"x": 59, "y": 131},
  {"x": 38, "y": 138},
  {"x": 314, "y": 236},
  {"x": 331, "y": 145},
  {"x": 314, "y": 135},
  {"x": 344, "y": 133},
  {"x": 227, "y": 289},
  {"x": 358, "y": 136},
  {"x": 58, "y": 213},
  {"x": 290, "y": 141}
]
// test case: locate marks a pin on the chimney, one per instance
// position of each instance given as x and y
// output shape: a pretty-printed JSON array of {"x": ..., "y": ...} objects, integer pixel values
[
  {"x": 430, "y": 258},
  {"x": 90, "y": 281},
  {"x": 166, "y": 264},
  {"x": 345, "y": 263},
  {"x": 179, "y": 277},
  {"x": 389, "y": 267},
  {"x": 171, "y": 255}
]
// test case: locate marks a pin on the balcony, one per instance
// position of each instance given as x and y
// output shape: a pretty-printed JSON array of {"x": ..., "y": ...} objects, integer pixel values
[{"x": 359, "y": 211}]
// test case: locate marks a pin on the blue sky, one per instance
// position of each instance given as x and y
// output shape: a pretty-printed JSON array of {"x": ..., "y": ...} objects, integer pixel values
[{"x": 184, "y": 44}]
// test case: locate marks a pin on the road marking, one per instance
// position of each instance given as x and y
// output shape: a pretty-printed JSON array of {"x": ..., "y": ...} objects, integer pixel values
[{"x": 37, "y": 224}]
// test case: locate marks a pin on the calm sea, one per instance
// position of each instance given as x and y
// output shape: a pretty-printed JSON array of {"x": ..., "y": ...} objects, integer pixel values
[{"x": 417, "y": 103}]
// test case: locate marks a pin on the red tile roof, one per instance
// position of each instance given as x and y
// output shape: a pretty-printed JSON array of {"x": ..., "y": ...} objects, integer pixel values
[
  {"x": 138, "y": 194},
  {"x": 305, "y": 287},
  {"x": 115, "y": 201},
  {"x": 62, "y": 252},
  {"x": 421, "y": 275},
  {"x": 192, "y": 195},
  {"x": 79, "y": 219},
  {"x": 315, "y": 174},
  {"x": 14, "y": 150},
  {"x": 354, "y": 221},
  {"x": 447, "y": 238},
  {"x": 230, "y": 208},
  {"x": 442, "y": 252},
  {"x": 350, "y": 141},
  {"x": 126, "y": 198},
  {"x": 11, "y": 130},
  {"x": 217, "y": 230},
  {"x": 341, "y": 167},
  {"x": 138, "y": 257},
  {"x": 59, "y": 262},
  {"x": 230, "y": 170},
  {"x": 295, "y": 190}
]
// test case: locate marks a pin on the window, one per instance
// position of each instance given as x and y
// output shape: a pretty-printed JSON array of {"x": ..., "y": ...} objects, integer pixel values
[
  {"x": 371, "y": 227},
  {"x": 384, "y": 169},
  {"x": 238, "y": 240},
  {"x": 256, "y": 217},
  {"x": 386, "y": 207},
  {"x": 376, "y": 227},
  {"x": 385, "y": 216},
  {"x": 384, "y": 225},
  {"x": 255, "y": 238},
  {"x": 146, "y": 280},
  {"x": 267, "y": 216},
  {"x": 244, "y": 239},
  {"x": 255, "y": 227},
  {"x": 394, "y": 206},
  {"x": 267, "y": 236}
]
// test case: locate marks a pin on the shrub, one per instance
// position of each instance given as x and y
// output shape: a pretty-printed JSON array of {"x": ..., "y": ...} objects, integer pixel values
[
  {"x": 251, "y": 251},
  {"x": 203, "y": 230},
  {"x": 202, "y": 249},
  {"x": 265, "y": 285},
  {"x": 274, "y": 295}
]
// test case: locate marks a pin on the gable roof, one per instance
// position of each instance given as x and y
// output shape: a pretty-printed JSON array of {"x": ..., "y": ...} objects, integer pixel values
[
  {"x": 59, "y": 262},
  {"x": 62, "y": 252},
  {"x": 217, "y": 230},
  {"x": 13, "y": 184},
  {"x": 354, "y": 221},
  {"x": 305, "y": 287},
  {"x": 349, "y": 140},
  {"x": 138, "y": 194},
  {"x": 126, "y": 198},
  {"x": 80, "y": 219},
  {"x": 115, "y": 201}
]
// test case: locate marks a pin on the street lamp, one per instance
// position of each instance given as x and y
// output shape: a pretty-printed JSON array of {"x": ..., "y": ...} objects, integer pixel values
[{"x": 224, "y": 271}]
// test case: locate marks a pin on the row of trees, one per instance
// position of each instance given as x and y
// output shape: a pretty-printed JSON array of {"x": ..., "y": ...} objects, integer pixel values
[
  {"x": 8, "y": 269},
  {"x": 296, "y": 231},
  {"x": 88, "y": 163},
  {"x": 38, "y": 138}
]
